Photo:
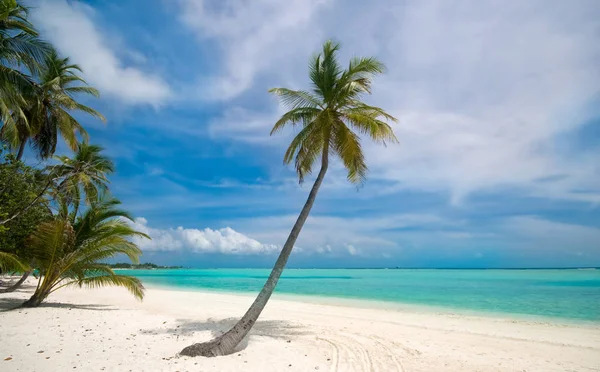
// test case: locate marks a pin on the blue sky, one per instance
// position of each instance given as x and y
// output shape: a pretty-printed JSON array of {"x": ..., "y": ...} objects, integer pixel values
[{"x": 498, "y": 103}]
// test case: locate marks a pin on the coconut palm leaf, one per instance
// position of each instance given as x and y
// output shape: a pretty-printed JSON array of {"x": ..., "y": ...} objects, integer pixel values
[
  {"x": 132, "y": 284},
  {"x": 10, "y": 262}
]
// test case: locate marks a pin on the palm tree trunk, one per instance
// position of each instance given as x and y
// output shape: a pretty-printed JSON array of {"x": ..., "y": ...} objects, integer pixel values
[
  {"x": 15, "y": 286},
  {"x": 35, "y": 300},
  {"x": 226, "y": 343},
  {"x": 21, "y": 149}
]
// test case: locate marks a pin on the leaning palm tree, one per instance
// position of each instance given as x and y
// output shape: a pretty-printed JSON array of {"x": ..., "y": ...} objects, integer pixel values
[
  {"x": 11, "y": 263},
  {"x": 84, "y": 175},
  {"x": 327, "y": 117},
  {"x": 72, "y": 254},
  {"x": 47, "y": 110}
]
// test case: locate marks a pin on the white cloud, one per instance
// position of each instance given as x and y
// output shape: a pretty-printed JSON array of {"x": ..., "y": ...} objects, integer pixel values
[
  {"x": 244, "y": 125},
  {"x": 345, "y": 235},
  {"x": 549, "y": 234},
  {"x": 409, "y": 235},
  {"x": 69, "y": 26},
  {"x": 225, "y": 240},
  {"x": 485, "y": 91},
  {"x": 254, "y": 36},
  {"x": 352, "y": 250}
]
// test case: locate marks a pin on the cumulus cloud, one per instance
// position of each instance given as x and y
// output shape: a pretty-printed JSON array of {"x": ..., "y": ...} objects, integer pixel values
[
  {"x": 70, "y": 27},
  {"x": 526, "y": 239},
  {"x": 225, "y": 240},
  {"x": 342, "y": 236}
]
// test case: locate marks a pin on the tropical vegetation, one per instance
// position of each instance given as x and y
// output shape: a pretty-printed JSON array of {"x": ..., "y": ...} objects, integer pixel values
[
  {"x": 58, "y": 219},
  {"x": 330, "y": 118},
  {"x": 69, "y": 253}
]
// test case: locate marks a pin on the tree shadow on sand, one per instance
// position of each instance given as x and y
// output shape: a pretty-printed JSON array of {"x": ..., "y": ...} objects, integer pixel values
[
  {"x": 276, "y": 329},
  {"x": 12, "y": 304}
]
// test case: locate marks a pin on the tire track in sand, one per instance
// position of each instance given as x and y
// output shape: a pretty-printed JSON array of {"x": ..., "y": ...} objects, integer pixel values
[{"x": 363, "y": 353}]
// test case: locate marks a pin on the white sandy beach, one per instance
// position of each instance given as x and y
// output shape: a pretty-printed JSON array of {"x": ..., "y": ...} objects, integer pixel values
[{"x": 108, "y": 330}]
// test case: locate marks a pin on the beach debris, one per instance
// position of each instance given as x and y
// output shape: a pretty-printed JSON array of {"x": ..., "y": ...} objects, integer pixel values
[
  {"x": 41, "y": 351},
  {"x": 8, "y": 358}
]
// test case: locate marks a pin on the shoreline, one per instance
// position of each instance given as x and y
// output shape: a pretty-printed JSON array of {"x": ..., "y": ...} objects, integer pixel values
[
  {"x": 368, "y": 304},
  {"x": 107, "y": 329}
]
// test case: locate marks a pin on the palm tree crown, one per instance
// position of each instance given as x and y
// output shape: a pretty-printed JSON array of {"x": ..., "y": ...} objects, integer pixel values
[
  {"x": 330, "y": 114},
  {"x": 72, "y": 254},
  {"x": 21, "y": 52},
  {"x": 47, "y": 110},
  {"x": 50, "y": 111},
  {"x": 84, "y": 174}
]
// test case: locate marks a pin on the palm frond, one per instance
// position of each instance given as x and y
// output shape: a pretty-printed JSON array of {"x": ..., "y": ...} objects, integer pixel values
[
  {"x": 346, "y": 145},
  {"x": 85, "y": 90},
  {"x": 366, "y": 120},
  {"x": 132, "y": 284},
  {"x": 11, "y": 263},
  {"x": 303, "y": 115},
  {"x": 305, "y": 148},
  {"x": 294, "y": 99}
]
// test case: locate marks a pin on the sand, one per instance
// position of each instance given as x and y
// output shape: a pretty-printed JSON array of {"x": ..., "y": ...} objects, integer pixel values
[{"x": 108, "y": 330}]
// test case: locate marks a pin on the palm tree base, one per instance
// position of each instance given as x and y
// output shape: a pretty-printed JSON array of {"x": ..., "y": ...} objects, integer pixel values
[
  {"x": 34, "y": 301},
  {"x": 206, "y": 349}
]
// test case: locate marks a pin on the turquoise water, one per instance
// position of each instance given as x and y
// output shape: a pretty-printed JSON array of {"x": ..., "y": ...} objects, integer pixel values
[{"x": 567, "y": 294}]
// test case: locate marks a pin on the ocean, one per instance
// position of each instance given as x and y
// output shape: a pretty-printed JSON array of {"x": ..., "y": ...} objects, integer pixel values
[{"x": 565, "y": 294}]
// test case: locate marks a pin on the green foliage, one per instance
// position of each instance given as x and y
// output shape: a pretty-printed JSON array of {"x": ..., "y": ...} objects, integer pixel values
[
  {"x": 20, "y": 184},
  {"x": 84, "y": 174},
  {"x": 47, "y": 109},
  {"x": 72, "y": 254},
  {"x": 21, "y": 55},
  {"x": 11, "y": 263},
  {"x": 332, "y": 116},
  {"x": 38, "y": 95}
]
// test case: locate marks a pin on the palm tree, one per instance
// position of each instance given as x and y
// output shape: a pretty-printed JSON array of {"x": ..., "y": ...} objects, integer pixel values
[
  {"x": 47, "y": 110},
  {"x": 85, "y": 174},
  {"x": 20, "y": 49},
  {"x": 71, "y": 254},
  {"x": 327, "y": 116}
]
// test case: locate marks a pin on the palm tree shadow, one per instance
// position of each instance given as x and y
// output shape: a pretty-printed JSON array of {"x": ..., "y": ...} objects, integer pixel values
[
  {"x": 276, "y": 329},
  {"x": 13, "y": 303},
  {"x": 10, "y": 303},
  {"x": 24, "y": 288}
]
